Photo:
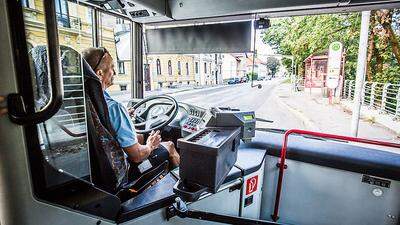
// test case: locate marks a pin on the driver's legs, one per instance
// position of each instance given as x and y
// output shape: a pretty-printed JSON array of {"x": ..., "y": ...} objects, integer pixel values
[{"x": 174, "y": 157}]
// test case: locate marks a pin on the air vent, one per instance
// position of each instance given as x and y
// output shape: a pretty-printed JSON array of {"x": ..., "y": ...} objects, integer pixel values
[{"x": 140, "y": 13}]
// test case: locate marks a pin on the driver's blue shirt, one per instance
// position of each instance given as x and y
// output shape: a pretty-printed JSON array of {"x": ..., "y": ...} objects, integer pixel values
[{"x": 121, "y": 122}]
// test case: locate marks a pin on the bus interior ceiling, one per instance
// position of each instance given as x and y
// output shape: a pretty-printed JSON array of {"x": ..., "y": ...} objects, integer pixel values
[{"x": 327, "y": 179}]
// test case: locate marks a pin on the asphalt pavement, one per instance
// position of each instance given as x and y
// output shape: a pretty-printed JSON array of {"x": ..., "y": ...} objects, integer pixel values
[{"x": 242, "y": 96}]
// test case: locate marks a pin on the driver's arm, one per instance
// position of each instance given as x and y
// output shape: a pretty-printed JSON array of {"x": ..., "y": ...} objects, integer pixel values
[
  {"x": 126, "y": 135},
  {"x": 137, "y": 152}
]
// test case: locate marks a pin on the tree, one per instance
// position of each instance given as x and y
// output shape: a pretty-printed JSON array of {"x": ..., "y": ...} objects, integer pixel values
[
  {"x": 273, "y": 65},
  {"x": 252, "y": 76},
  {"x": 305, "y": 35}
]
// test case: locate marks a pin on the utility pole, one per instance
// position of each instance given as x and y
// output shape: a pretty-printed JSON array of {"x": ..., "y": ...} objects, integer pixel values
[{"x": 360, "y": 74}]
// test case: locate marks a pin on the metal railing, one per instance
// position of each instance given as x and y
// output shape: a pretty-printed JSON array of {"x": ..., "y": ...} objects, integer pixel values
[{"x": 384, "y": 97}]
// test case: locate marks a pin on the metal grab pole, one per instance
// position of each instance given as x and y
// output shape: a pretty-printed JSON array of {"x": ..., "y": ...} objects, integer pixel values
[
  {"x": 315, "y": 134},
  {"x": 360, "y": 75}
]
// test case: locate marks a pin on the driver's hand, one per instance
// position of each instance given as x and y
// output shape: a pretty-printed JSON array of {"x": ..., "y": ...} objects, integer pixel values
[
  {"x": 131, "y": 111},
  {"x": 154, "y": 140}
]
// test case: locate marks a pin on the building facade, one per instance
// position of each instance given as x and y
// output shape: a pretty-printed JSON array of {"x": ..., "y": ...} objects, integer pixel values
[
  {"x": 183, "y": 70},
  {"x": 209, "y": 69},
  {"x": 229, "y": 67},
  {"x": 170, "y": 70},
  {"x": 75, "y": 26}
]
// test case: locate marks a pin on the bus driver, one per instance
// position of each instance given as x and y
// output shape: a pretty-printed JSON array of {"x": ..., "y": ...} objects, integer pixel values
[{"x": 133, "y": 144}]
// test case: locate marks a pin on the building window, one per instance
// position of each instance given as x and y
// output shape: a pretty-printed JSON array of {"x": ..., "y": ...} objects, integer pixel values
[
  {"x": 121, "y": 67},
  {"x": 158, "y": 64},
  {"x": 119, "y": 21},
  {"x": 123, "y": 87},
  {"x": 187, "y": 69},
  {"x": 25, "y": 3},
  {"x": 179, "y": 68},
  {"x": 196, "y": 65},
  {"x": 62, "y": 13},
  {"x": 205, "y": 67},
  {"x": 169, "y": 68},
  {"x": 210, "y": 68}
]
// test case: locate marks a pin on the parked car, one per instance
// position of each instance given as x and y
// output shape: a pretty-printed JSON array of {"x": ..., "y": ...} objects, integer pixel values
[
  {"x": 231, "y": 81},
  {"x": 260, "y": 78}
]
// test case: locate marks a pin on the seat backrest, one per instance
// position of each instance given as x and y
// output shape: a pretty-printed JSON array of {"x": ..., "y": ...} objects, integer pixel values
[{"x": 109, "y": 168}]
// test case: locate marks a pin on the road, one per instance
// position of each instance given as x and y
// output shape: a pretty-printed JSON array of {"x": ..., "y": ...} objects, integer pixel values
[
  {"x": 245, "y": 97},
  {"x": 274, "y": 101},
  {"x": 241, "y": 96}
]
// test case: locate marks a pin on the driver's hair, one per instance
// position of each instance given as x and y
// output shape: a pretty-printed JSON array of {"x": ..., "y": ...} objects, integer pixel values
[{"x": 93, "y": 56}]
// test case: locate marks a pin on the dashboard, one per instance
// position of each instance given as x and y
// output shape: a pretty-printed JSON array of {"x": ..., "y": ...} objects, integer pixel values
[
  {"x": 189, "y": 119},
  {"x": 195, "y": 118}
]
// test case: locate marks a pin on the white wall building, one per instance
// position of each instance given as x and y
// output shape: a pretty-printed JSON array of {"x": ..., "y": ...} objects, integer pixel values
[
  {"x": 229, "y": 66},
  {"x": 207, "y": 69}
]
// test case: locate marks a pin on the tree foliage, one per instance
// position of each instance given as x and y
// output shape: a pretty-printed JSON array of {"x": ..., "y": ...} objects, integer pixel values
[
  {"x": 305, "y": 35},
  {"x": 252, "y": 76},
  {"x": 273, "y": 65}
]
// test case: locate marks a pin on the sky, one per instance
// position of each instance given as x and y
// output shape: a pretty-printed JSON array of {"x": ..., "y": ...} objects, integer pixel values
[{"x": 262, "y": 49}]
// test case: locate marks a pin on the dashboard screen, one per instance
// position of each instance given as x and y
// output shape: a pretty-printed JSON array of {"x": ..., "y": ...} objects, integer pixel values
[{"x": 248, "y": 117}]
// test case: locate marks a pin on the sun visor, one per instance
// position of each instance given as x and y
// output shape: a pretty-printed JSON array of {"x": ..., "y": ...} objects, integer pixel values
[{"x": 232, "y": 37}]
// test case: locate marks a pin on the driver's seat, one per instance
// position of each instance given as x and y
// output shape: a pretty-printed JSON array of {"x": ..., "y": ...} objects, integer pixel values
[{"x": 109, "y": 169}]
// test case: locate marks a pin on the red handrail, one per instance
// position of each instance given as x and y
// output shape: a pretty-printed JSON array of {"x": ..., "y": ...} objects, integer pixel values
[{"x": 315, "y": 134}]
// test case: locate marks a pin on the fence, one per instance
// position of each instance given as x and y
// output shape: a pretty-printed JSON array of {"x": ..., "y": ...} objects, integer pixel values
[{"x": 384, "y": 97}]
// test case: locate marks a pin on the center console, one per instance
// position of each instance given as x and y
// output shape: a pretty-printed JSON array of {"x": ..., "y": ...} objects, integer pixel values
[{"x": 195, "y": 120}]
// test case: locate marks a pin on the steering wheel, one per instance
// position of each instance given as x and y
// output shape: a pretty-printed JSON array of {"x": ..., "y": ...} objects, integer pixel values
[{"x": 146, "y": 125}]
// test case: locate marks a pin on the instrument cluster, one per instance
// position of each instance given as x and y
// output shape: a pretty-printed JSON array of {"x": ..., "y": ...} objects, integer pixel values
[{"x": 194, "y": 119}]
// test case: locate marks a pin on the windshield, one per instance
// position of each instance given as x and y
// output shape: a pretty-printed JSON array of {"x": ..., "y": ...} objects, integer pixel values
[
  {"x": 300, "y": 72},
  {"x": 293, "y": 61}
]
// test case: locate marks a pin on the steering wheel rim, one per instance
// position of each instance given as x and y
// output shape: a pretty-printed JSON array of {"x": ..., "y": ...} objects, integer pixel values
[{"x": 166, "y": 119}]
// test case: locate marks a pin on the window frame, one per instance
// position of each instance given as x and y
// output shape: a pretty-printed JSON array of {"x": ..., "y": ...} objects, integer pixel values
[
  {"x": 37, "y": 168},
  {"x": 62, "y": 17},
  {"x": 179, "y": 68},
  {"x": 121, "y": 67},
  {"x": 25, "y": 3},
  {"x": 169, "y": 68},
  {"x": 158, "y": 66}
]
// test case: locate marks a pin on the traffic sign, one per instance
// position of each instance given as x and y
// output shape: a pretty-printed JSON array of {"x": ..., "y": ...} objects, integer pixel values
[{"x": 334, "y": 64}]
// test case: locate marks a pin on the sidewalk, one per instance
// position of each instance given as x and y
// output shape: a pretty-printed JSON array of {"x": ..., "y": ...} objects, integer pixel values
[{"x": 318, "y": 115}]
